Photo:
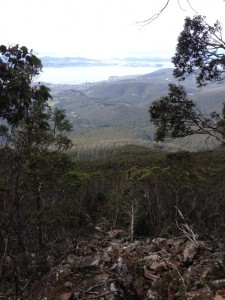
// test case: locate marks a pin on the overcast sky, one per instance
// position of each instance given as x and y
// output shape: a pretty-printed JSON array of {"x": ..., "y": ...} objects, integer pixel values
[{"x": 99, "y": 28}]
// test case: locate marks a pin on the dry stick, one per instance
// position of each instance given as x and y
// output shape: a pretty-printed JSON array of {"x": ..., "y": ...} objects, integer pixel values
[
  {"x": 178, "y": 272},
  {"x": 191, "y": 6},
  {"x": 187, "y": 231},
  {"x": 155, "y": 16},
  {"x": 98, "y": 285},
  {"x": 180, "y": 6},
  {"x": 100, "y": 295}
]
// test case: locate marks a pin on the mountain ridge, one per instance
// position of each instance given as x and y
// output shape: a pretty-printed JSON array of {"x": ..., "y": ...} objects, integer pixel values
[{"x": 77, "y": 61}]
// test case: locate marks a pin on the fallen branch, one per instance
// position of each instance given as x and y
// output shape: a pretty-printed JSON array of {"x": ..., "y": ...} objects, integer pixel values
[
  {"x": 89, "y": 291},
  {"x": 100, "y": 295},
  {"x": 186, "y": 229},
  {"x": 178, "y": 272},
  {"x": 188, "y": 233}
]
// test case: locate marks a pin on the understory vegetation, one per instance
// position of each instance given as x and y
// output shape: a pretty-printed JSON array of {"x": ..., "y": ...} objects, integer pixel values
[{"x": 140, "y": 190}]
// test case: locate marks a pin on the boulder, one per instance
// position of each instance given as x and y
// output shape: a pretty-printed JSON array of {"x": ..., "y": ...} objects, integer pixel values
[
  {"x": 190, "y": 252},
  {"x": 200, "y": 294},
  {"x": 152, "y": 295},
  {"x": 66, "y": 296},
  {"x": 220, "y": 295}
]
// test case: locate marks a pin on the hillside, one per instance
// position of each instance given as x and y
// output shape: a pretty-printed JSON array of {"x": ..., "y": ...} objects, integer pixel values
[
  {"x": 112, "y": 267},
  {"x": 117, "y": 109},
  {"x": 92, "y": 249}
]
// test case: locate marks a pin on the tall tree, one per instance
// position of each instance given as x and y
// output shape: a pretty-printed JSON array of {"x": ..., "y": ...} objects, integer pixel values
[
  {"x": 200, "y": 51},
  {"x": 31, "y": 134}
]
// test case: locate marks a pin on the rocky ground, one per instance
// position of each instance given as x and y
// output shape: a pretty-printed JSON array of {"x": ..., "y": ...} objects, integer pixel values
[{"x": 110, "y": 266}]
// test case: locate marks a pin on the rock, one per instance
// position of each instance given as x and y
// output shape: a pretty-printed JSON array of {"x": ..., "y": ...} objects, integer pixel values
[
  {"x": 159, "y": 242},
  {"x": 85, "y": 261},
  {"x": 200, "y": 294},
  {"x": 117, "y": 234},
  {"x": 176, "y": 246},
  {"x": 220, "y": 295},
  {"x": 149, "y": 275},
  {"x": 7, "y": 262},
  {"x": 115, "y": 269},
  {"x": 149, "y": 260},
  {"x": 172, "y": 263},
  {"x": 66, "y": 296},
  {"x": 98, "y": 228},
  {"x": 189, "y": 252},
  {"x": 68, "y": 284},
  {"x": 218, "y": 284},
  {"x": 155, "y": 265},
  {"x": 72, "y": 260},
  {"x": 152, "y": 295},
  {"x": 113, "y": 248},
  {"x": 123, "y": 271}
]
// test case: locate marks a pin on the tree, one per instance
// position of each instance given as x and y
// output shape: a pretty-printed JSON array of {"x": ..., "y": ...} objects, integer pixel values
[
  {"x": 18, "y": 68},
  {"x": 33, "y": 135},
  {"x": 29, "y": 123},
  {"x": 164, "y": 7},
  {"x": 200, "y": 51}
]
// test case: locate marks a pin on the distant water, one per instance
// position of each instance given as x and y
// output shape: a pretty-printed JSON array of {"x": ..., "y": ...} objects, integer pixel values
[{"x": 77, "y": 75}]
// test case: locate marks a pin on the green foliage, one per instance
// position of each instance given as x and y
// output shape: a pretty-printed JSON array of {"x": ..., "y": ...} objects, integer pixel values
[
  {"x": 174, "y": 115},
  {"x": 200, "y": 51},
  {"x": 177, "y": 116},
  {"x": 18, "y": 67},
  {"x": 31, "y": 165}
]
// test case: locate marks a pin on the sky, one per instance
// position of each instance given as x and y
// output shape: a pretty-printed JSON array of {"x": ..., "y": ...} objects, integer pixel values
[{"x": 99, "y": 28}]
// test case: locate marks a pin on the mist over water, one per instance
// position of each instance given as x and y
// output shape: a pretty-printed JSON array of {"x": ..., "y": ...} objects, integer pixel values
[{"x": 78, "y": 75}]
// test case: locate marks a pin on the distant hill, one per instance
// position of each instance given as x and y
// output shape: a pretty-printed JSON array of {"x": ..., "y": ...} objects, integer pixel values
[
  {"x": 117, "y": 110},
  {"x": 147, "y": 61}
]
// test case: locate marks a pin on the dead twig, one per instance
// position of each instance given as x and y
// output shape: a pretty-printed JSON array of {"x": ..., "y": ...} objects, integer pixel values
[
  {"x": 178, "y": 272},
  {"x": 189, "y": 233},
  {"x": 89, "y": 291},
  {"x": 186, "y": 229},
  {"x": 156, "y": 15},
  {"x": 100, "y": 295}
]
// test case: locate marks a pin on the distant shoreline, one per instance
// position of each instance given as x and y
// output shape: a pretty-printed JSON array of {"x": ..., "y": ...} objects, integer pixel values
[
  {"x": 83, "y": 74},
  {"x": 79, "y": 75}
]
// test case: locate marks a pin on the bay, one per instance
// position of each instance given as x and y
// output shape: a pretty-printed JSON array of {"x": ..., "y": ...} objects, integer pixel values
[{"x": 78, "y": 75}]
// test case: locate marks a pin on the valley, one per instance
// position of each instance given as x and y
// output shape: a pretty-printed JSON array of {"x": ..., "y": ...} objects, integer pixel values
[{"x": 115, "y": 111}]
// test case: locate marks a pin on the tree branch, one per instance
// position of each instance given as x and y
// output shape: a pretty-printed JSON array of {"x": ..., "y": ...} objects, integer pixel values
[{"x": 155, "y": 16}]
